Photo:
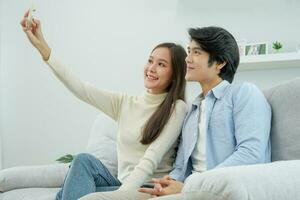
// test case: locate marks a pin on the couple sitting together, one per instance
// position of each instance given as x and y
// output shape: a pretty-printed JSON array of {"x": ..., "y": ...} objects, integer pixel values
[{"x": 160, "y": 139}]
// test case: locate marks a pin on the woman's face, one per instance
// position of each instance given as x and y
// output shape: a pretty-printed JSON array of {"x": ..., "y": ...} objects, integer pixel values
[{"x": 158, "y": 71}]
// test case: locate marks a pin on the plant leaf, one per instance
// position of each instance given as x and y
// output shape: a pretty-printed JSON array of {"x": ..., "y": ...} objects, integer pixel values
[{"x": 65, "y": 159}]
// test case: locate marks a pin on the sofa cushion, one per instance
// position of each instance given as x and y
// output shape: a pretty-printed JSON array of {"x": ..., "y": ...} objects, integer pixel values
[
  {"x": 102, "y": 142},
  {"x": 32, "y": 176},
  {"x": 285, "y": 131},
  {"x": 277, "y": 181},
  {"x": 201, "y": 195},
  {"x": 30, "y": 194}
]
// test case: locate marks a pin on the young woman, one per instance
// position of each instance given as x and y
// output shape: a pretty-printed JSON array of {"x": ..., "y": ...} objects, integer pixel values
[{"x": 148, "y": 125}]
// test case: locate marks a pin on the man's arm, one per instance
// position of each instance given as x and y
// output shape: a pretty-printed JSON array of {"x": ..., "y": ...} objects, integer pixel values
[
  {"x": 176, "y": 173},
  {"x": 179, "y": 161},
  {"x": 252, "y": 122}
]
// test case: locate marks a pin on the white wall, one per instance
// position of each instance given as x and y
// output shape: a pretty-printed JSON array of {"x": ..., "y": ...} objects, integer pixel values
[
  {"x": 107, "y": 43},
  {"x": 1, "y": 97},
  {"x": 255, "y": 20}
]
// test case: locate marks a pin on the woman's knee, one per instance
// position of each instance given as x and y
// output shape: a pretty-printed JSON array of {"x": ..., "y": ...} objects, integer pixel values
[{"x": 82, "y": 159}]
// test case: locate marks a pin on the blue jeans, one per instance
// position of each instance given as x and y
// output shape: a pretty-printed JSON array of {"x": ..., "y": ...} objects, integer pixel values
[{"x": 86, "y": 175}]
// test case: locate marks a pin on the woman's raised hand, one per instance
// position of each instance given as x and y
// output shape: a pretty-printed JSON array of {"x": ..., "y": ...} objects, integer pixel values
[{"x": 32, "y": 28}]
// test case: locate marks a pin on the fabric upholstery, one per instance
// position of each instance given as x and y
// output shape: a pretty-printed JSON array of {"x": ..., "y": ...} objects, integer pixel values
[
  {"x": 191, "y": 196},
  {"x": 32, "y": 176},
  {"x": 277, "y": 181},
  {"x": 30, "y": 194},
  {"x": 102, "y": 142},
  {"x": 285, "y": 130}
]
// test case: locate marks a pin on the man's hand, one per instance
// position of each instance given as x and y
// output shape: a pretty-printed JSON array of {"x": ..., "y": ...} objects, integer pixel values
[{"x": 164, "y": 186}]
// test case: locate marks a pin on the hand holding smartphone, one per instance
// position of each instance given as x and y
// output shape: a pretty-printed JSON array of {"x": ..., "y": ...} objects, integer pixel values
[
  {"x": 32, "y": 28},
  {"x": 29, "y": 17}
]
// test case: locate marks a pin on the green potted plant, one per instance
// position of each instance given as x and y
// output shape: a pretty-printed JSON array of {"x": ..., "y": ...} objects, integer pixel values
[
  {"x": 277, "y": 46},
  {"x": 66, "y": 158}
]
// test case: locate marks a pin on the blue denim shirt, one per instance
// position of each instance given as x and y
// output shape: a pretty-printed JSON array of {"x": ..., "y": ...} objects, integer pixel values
[{"x": 238, "y": 122}]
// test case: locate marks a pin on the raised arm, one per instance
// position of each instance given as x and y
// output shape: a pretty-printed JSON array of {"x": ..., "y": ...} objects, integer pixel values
[{"x": 107, "y": 102}]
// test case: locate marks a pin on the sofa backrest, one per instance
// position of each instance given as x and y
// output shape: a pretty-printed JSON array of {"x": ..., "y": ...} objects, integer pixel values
[
  {"x": 285, "y": 131},
  {"x": 102, "y": 142}
]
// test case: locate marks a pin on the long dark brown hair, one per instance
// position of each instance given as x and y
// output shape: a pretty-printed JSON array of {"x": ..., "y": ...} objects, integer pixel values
[{"x": 176, "y": 90}]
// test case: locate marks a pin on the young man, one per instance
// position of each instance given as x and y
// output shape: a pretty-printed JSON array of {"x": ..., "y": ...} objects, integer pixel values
[{"x": 227, "y": 124}]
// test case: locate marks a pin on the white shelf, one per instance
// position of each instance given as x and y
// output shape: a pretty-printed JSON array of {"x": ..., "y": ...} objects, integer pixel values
[{"x": 270, "y": 61}]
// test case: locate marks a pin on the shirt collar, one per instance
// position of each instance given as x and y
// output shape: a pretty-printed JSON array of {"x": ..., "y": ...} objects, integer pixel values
[{"x": 218, "y": 92}]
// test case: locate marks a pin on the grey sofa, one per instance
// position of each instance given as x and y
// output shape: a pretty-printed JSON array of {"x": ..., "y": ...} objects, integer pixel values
[{"x": 279, "y": 180}]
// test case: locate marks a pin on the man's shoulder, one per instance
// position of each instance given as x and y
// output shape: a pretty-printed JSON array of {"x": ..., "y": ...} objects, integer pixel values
[
  {"x": 243, "y": 86},
  {"x": 242, "y": 93},
  {"x": 243, "y": 89}
]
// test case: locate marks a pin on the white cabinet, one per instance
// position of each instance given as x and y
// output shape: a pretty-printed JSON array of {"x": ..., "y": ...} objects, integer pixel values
[{"x": 270, "y": 61}]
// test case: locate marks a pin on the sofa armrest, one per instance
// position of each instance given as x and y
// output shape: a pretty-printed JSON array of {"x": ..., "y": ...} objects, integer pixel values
[
  {"x": 32, "y": 176},
  {"x": 277, "y": 181}
]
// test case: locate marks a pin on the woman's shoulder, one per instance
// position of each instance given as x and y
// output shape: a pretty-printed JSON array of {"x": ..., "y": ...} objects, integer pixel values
[
  {"x": 181, "y": 105},
  {"x": 180, "y": 102}
]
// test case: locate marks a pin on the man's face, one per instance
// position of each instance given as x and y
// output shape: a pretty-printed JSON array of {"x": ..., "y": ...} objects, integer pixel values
[{"x": 198, "y": 68}]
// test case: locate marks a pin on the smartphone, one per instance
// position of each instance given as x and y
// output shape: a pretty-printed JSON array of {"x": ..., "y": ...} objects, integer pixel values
[
  {"x": 148, "y": 185},
  {"x": 30, "y": 17}
]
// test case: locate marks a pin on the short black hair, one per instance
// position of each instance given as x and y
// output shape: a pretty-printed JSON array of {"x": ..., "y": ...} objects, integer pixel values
[{"x": 221, "y": 47}]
